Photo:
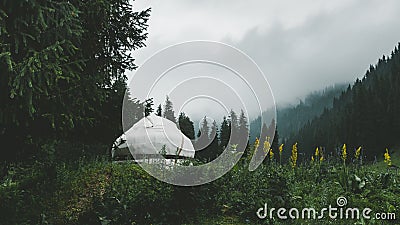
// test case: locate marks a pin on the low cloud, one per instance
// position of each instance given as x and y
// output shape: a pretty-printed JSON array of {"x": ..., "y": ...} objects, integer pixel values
[{"x": 301, "y": 46}]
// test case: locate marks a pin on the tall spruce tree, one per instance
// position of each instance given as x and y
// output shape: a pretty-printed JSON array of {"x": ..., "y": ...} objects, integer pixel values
[
  {"x": 243, "y": 131},
  {"x": 159, "y": 110},
  {"x": 132, "y": 111},
  {"x": 214, "y": 147},
  {"x": 169, "y": 112},
  {"x": 186, "y": 126},
  {"x": 148, "y": 107},
  {"x": 203, "y": 141},
  {"x": 233, "y": 124},
  {"x": 62, "y": 65},
  {"x": 225, "y": 133}
]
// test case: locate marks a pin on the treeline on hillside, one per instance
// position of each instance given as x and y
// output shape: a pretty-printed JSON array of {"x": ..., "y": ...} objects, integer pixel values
[
  {"x": 366, "y": 114},
  {"x": 62, "y": 77},
  {"x": 290, "y": 119}
]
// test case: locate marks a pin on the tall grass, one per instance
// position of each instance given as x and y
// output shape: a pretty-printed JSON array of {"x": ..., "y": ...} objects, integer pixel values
[{"x": 97, "y": 191}]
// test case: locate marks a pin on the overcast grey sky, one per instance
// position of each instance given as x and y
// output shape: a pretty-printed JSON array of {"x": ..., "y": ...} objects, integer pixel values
[{"x": 301, "y": 46}]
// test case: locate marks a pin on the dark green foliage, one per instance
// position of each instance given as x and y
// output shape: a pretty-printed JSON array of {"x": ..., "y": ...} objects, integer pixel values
[
  {"x": 99, "y": 192},
  {"x": 232, "y": 132},
  {"x": 244, "y": 191},
  {"x": 225, "y": 133},
  {"x": 132, "y": 112},
  {"x": 62, "y": 65},
  {"x": 208, "y": 145},
  {"x": 186, "y": 126},
  {"x": 203, "y": 151},
  {"x": 265, "y": 133},
  {"x": 275, "y": 141},
  {"x": 242, "y": 132}
]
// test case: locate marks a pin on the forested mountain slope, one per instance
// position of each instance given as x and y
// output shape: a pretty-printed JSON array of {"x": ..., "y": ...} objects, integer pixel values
[
  {"x": 367, "y": 114},
  {"x": 291, "y": 118}
]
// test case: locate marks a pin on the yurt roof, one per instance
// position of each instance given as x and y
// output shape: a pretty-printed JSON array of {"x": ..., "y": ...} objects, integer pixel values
[{"x": 150, "y": 134}]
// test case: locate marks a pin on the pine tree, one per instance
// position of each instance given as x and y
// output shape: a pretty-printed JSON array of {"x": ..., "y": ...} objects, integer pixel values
[
  {"x": 243, "y": 131},
  {"x": 148, "y": 107},
  {"x": 159, "y": 110},
  {"x": 225, "y": 133},
  {"x": 203, "y": 141},
  {"x": 186, "y": 126},
  {"x": 214, "y": 148},
  {"x": 63, "y": 68},
  {"x": 132, "y": 111},
  {"x": 169, "y": 110},
  {"x": 233, "y": 124}
]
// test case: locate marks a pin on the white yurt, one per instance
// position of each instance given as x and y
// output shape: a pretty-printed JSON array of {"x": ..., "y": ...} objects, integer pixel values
[{"x": 153, "y": 135}]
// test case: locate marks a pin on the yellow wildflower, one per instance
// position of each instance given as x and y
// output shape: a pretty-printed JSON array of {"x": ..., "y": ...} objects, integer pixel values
[
  {"x": 358, "y": 152},
  {"x": 312, "y": 158},
  {"x": 280, "y": 154},
  {"x": 344, "y": 153},
  {"x": 256, "y": 143},
  {"x": 267, "y": 145},
  {"x": 293, "y": 158},
  {"x": 387, "y": 160},
  {"x": 271, "y": 154},
  {"x": 280, "y": 149},
  {"x": 316, "y": 152},
  {"x": 321, "y": 154}
]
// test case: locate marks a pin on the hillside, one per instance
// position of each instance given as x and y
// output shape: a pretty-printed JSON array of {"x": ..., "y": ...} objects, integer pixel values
[
  {"x": 291, "y": 118},
  {"x": 365, "y": 114}
]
